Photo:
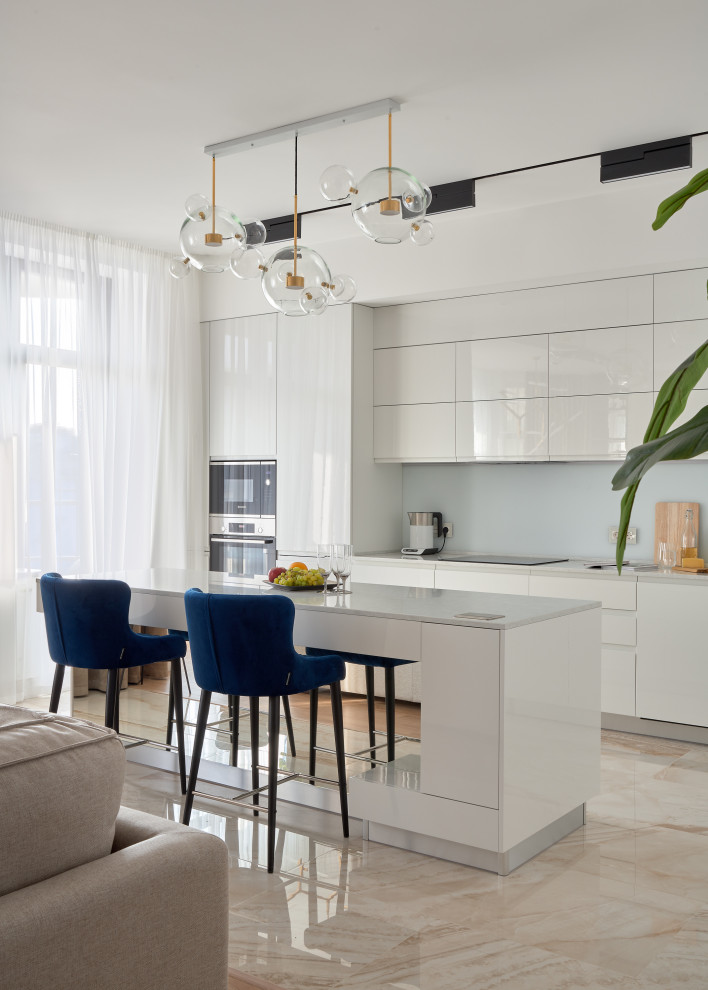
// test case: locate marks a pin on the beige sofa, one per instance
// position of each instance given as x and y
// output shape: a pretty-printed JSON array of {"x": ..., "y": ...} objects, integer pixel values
[{"x": 93, "y": 895}]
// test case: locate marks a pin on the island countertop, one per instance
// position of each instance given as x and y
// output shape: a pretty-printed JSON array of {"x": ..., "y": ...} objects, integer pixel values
[{"x": 460, "y": 608}]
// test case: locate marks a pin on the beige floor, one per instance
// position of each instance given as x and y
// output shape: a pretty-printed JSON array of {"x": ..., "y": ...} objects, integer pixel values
[{"x": 622, "y": 903}]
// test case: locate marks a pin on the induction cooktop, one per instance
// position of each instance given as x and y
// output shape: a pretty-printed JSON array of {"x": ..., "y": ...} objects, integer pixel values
[{"x": 490, "y": 558}]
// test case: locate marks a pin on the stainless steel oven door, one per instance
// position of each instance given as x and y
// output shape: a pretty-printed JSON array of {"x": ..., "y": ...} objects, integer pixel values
[
  {"x": 235, "y": 488},
  {"x": 237, "y": 556}
]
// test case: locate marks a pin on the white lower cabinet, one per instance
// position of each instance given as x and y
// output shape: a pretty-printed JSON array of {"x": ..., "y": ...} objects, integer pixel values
[
  {"x": 597, "y": 427},
  {"x": 672, "y": 672},
  {"x": 502, "y": 429},
  {"x": 424, "y": 432},
  {"x": 618, "y": 681},
  {"x": 489, "y": 581},
  {"x": 408, "y": 575}
]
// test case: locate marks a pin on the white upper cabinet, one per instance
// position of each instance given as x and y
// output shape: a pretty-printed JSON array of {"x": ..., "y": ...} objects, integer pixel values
[
  {"x": 503, "y": 368},
  {"x": 673, "y": 342},
  {"x": 415, "y": 432},
  {"x": 314, "y": 430},
  {"x": 242, "y": 387},
  {"x": 597, "y": 427},
  {"x": 596, "y": 362},
  {"x": 680, "y": 295},
  {"x": 549, "y": 309},
  {"x": 404, "y": 375},
  {"x": 501, "y": 430}
]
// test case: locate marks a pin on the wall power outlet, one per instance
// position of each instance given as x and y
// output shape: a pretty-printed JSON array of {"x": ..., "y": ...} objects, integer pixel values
[
  {"x": 448, "y": 526},
  {"x": 631, "y": 534}
]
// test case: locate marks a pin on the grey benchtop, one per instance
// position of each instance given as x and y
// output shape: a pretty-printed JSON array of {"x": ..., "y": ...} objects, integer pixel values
[
  {"x": 575, "y": 567},
  {"x": 383, "y": 601}
]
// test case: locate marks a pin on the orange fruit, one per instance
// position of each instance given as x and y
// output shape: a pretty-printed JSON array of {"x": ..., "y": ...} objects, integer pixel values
[{"x": 298, "y": 563}]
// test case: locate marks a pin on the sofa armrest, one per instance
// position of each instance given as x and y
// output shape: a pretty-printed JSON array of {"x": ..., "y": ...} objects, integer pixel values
[{"x": 153, "y": 915}]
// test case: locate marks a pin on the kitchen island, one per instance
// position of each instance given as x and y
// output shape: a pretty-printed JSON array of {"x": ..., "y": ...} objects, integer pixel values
[{"x": 510, "y": 709}]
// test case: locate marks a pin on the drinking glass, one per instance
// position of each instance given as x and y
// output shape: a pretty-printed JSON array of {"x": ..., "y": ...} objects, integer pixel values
[
  {"x": 667, "y": 556},
  {"x": 324, "y": 562},
  {"x": 342, "y": 563}
]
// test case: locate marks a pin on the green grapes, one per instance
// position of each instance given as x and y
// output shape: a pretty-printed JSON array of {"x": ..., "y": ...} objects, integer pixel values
[{"x": 296, "y": 577}]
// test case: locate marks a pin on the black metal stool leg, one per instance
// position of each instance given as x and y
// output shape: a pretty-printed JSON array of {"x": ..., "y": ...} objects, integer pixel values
[
  {"x": 56, "y": 687},
  {"x": 390, "y": 691},
  {"x": 202, "y": 717},
  {"x": 110, "y": 716},
  {"x": 116, "y": 704},
  {"x": 289, "y": 724},
  {"x": 176, "y": 686},
  {"x": 338, "y": 722},
  {"x": 314, "y": 698},
  {"x": 369, "y": 673},
  {"x": 273, "y": 740},
  {"x": 255, "y": 740},
  {"x": 235, "y": 708},
  {"x": 170, "y": 714}
]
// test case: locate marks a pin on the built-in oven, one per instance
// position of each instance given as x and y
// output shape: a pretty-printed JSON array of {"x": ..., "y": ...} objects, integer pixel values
[
  {"x": 242, "y": 488},
  {"x": 240, "y": 547}
]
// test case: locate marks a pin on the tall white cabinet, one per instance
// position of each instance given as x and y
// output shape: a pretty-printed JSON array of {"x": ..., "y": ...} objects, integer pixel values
[{"x": 242, "y": 387}]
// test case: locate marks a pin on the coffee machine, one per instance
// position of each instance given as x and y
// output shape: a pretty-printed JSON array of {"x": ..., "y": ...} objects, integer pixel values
[{"x": 426, "y": 527}]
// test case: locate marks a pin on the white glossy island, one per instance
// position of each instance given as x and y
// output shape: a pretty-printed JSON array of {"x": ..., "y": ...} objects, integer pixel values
[{"x": 510, "y": 709}]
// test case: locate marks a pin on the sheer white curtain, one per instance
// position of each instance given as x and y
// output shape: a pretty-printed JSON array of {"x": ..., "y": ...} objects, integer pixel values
[{"x": 101, "y": 423}]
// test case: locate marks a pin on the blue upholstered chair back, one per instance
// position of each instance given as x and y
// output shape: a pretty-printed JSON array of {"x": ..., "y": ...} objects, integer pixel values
[
  {"x": 242, "y": 644},
  {"x": 86, "y": 620}
]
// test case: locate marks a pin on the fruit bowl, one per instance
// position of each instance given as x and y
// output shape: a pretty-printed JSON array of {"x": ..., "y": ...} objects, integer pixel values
[{"x": 297, "y": 577}]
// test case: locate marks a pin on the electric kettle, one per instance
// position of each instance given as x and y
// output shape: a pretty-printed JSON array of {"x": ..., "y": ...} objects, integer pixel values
[{"x": 425, "y": 528}]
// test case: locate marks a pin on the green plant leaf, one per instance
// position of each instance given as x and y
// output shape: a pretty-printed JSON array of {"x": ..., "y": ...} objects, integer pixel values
[
  {"x": 670, "y": 403},
  {"x": 675, "y": 202},
  {"x": 681, "y": 444}
]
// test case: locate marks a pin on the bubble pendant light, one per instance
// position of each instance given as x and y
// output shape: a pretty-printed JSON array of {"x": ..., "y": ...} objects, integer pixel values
[
  {"x": 388, "y": 204},
  {"x": 212, "y": 238},
  {"x": 296, "y": 280}
]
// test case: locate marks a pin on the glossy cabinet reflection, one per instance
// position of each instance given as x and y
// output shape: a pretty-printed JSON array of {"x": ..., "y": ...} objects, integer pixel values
[
  {"x": 242, "y": 387},
  {"x": 605, "y": 361},
  {"x": 508, "y": 429},
  {"x": 406, "y": 375},
  {"x": 597, "y": 427},
  {"x": 673, "y": 343},
  {"x": 415, "y": 432},
  {"x": 505, "y": 368}
]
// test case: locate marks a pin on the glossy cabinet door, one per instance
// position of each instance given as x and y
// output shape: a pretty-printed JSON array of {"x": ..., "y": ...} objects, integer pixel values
[
  {"x": 407, "y": 375},
  {"x": 680, "y": 295},
  {"x": 596, "y": 362},
  {"x": 673, "y": 343},
  {"x": 672, "y": 673},
  {"x": 314, "y": 430},
  {"x": 242, "y": 387},
  {"x": 510, "y": 429},
  {"x": 503, "y": 368},
  {"x": 597, "y": 427},
  {"x": 415, "y": 433}
]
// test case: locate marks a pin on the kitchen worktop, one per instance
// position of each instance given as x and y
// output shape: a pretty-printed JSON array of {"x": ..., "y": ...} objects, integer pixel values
[{"x": 575, "y": 566}]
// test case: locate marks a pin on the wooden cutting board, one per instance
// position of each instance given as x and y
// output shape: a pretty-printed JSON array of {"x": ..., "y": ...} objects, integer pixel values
[{"x": 669, "y": 518}]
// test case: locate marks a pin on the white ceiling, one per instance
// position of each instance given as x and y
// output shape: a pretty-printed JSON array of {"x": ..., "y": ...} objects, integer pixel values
[{"x": 105, "y": 109}]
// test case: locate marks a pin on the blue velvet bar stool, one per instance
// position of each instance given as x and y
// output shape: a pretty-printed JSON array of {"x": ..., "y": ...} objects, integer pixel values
[
  {"x": 242, "y": 645},
  {"x": 87, "y": 626},
  {"x": 234, "y": 711},
  {"x": 368, "y": 662}
]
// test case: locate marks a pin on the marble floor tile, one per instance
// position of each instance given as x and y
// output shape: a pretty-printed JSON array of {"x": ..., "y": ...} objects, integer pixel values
[{"x": 620, "y": 903}]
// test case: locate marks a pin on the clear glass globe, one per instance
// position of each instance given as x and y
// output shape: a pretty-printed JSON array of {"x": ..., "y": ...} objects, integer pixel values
[
  {"x": 428, "y": 195},
  {"x": 255, "y": 232},
  {"x": 311, "y": 267},
  {"x": 336, "y": 182},
  {"x": 386, "y": 217},
  {"x": 313, "y": 301},
  {"x": 344, "y": 288},
  {"x": 422, "y": 232},
  {"x": 213, "y": 257},
  {"x": 247, "y": 264},
  {"x": 180, "y": 267},
  {"x": 196, "y": 205}
]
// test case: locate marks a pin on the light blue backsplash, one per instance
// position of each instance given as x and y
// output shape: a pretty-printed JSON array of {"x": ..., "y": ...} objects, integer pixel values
[{"x": 547, "y": 508}]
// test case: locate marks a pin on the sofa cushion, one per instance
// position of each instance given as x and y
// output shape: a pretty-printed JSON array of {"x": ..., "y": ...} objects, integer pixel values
[{"x": 61, "y": 781}]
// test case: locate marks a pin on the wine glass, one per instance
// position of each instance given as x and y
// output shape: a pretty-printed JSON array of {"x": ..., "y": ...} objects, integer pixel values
[
  {"x": 342, "y": 563},
  {"x": 324, "y": 562}
]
